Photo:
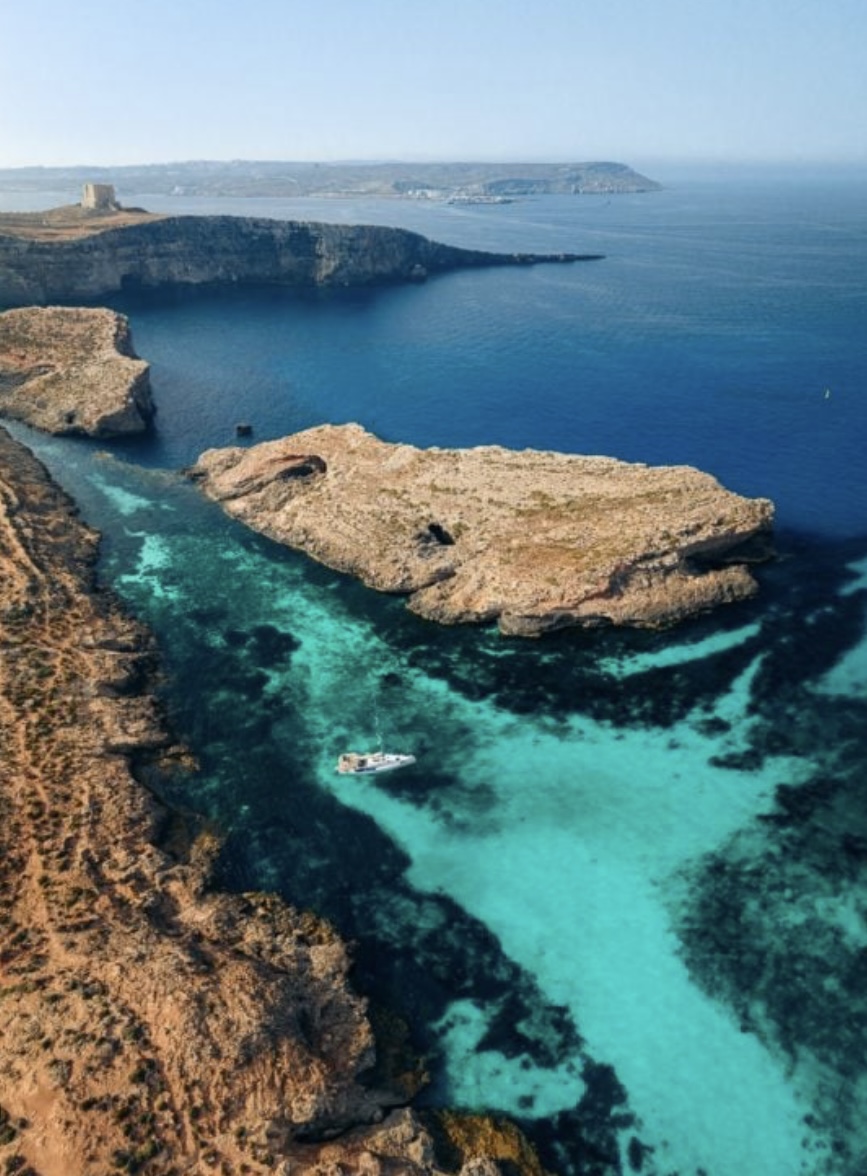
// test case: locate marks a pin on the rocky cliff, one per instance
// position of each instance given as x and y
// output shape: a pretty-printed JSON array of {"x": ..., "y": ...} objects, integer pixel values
[
  {"x": 150, "y": 1023},
  {"x": 536, "y": 541},
  {"x": 73, "y": 371},
  {"x": 93, "y": 259}
]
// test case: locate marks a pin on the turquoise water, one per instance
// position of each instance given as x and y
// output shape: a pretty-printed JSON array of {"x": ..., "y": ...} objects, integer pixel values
[{"x": 621, "y": 895}]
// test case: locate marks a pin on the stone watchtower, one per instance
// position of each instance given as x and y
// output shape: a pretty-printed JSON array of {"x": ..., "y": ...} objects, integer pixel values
[{"x": 99, "y": 198}]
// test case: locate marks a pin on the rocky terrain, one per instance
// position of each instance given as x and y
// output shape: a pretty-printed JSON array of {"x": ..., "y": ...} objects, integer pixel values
[
  {"x": 72, "y": 254},
  {"x": 72, "y": 370},
  {"x": 150, "y": 1023},
  {"x": 536, "y": 541}
]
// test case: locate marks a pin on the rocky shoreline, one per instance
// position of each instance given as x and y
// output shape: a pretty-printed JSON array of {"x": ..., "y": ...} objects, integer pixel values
[
  {"x": 149, "y": 1022},
  {"x": 534, "y": 541}
]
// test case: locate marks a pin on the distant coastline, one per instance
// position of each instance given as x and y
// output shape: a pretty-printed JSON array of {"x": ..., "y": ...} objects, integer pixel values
[{"x": 438, "y": 181}]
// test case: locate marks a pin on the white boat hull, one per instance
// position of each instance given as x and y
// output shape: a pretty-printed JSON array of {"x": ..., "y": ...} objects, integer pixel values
[{"x": 370, "y": 763}]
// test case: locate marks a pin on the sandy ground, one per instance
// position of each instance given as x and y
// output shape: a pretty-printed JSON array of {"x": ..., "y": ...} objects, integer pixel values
[{"x": 70, "y": 222}]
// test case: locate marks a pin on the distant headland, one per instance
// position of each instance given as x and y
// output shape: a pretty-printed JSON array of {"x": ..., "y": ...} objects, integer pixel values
[{"x": 485, "y": 182}]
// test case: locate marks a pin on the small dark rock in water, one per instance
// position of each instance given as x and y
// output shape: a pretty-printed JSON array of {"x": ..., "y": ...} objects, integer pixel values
[{"x": 243, "y": 429}]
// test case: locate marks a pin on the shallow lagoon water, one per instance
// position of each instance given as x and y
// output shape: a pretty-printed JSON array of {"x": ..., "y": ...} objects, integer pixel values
[{"x": 621, "y": 896}]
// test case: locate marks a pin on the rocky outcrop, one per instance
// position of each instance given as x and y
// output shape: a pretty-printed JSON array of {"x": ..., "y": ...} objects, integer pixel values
[
  {"x": 93, "y": 259},
  {"x": 73, "y": 371},
  {"x": 149, "y": 1022},
  {"x": 536, "y": 541}
]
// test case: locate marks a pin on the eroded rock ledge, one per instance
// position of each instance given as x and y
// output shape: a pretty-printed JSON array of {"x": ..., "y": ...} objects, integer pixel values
[
  {"x": 70, "y": 370},
  {"x": 150, "y": 1023},
  {"x": 536, "y": 541}
]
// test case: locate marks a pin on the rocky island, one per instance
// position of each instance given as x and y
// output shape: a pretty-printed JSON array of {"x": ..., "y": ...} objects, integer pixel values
[
  {"x": 534, "y": 541},
  {"x": 73, "y": 371},
  {"x": 76, "y": 253},
  {"x": 149, "y": 1022}
]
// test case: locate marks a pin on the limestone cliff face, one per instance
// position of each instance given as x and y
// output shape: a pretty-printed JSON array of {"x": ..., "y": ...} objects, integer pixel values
[
  {"x": 72, "y": 371},
  {"x": 536, "y": 541},
  {"x": 200, "y": 250},
  {"x": 149, "y": 1022}
]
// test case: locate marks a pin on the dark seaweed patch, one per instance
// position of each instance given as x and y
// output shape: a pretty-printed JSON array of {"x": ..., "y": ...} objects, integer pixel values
[
  {"x": 207, "y": 617},
  {"x": 755, "y": 934},
  {"x": 272, "y": 646},
  {"x": 585, "y": 1141},
  {"x": 546, "y": 1034}
]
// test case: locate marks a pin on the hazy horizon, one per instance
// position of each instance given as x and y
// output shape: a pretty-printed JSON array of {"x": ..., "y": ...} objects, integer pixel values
[
  {"x": 672, "y": 82},
  {"x": 638, "y": 164}
]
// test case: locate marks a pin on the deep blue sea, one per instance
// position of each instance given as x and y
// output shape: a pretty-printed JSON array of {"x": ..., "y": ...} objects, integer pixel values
[{"x": 623, "y": 894}]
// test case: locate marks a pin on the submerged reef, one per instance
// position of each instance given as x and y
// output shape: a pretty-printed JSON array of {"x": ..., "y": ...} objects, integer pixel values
[{"x": 533, "y": 540}]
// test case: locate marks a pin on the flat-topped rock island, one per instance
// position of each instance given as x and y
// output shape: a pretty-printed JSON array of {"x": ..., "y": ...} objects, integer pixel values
[
  {"x": 533, "y": 540},
  {"x": 73, "y": 370}
]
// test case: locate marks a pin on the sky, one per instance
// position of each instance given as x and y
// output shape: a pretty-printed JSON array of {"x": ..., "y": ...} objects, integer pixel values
[{"x": 93, "y": 82}]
